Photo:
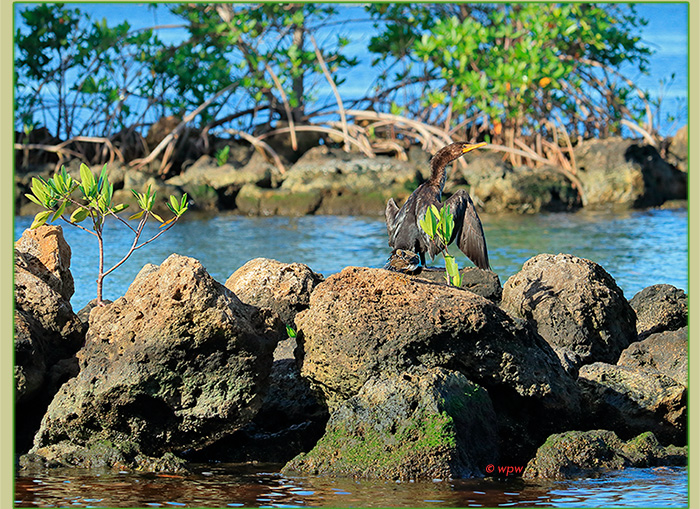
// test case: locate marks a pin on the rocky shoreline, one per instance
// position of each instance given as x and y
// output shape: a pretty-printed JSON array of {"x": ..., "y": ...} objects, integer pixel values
[
  {"x": 389, "y": 376},
  {"x": 615, "y": 172}
]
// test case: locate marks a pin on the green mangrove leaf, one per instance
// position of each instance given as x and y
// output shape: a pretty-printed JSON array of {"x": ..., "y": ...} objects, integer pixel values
[
  {"x": 79, "y": 214},
  {"x": 59, "y": 212},
  {"x": 40, "y": 219}
]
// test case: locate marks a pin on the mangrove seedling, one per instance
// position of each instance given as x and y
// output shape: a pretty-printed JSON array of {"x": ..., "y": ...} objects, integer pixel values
[
  {"x": 95, "y": 203},
  {"x": 439, "y": 225}
]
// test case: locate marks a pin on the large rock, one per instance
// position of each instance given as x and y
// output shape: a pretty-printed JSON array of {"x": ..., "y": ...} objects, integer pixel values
[
  {"x": 577, "y": 454},
  {"x": 482, "y": 282},
  {"x": 666, "y": 352},
  {"x": 677, "y": 152},
  {"x": 347, "y": 183},
  {"x": 328, "y": 169},
  {"x": 176, "y": 363},
  {"x": 627, "y": 173},
  {"x": 283, "y": 287},
  {"x": 291, "y": 418},
  {"x": 47, "y": 331},
  {"x": 660, "y": 308},
  {"x": 631, "y": 401},
  {"x": 575, "y": 305},
  {"x": 364, "y": 322},
  {"x": 420, "y": 424},
  {"x": 45, "y": 253}
]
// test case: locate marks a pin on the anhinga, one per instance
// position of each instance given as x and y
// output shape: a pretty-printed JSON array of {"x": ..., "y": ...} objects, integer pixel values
[{"x": 403, "y": 225}]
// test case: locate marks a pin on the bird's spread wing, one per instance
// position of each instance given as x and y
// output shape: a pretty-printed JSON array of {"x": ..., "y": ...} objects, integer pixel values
[
  {"x": 390, "y": 214},
  {"x": 468, "y": 230}
]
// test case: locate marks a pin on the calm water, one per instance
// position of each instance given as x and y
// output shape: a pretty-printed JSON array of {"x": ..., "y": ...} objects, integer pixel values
[
  {"x": 261, "y": 486},
  {"x": 637, "y": 248}
]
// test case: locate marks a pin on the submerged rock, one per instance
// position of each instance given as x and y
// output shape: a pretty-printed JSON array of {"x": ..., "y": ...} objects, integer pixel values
[
  {"x": 575, "y": 305},
  {"x": 660, "y": 308},
  {"x": 176, "y": 363},
  {"x": 631, "y": 401},
  {"x": 585, "y": 453},
  {"x": 47, "y": 331},
  {"x": 419, "y": 424},
  {"x": 666, "y": 352},
  {"x": 362, "y": 323}
]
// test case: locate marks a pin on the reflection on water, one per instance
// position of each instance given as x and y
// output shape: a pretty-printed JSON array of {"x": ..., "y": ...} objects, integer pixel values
[
  {"x": 637, "y": 248},
  {"x": 260, "y": 486}
]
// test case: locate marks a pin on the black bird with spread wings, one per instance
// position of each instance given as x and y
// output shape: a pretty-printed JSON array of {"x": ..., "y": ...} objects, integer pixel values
[{"x": 403, "y": 224}]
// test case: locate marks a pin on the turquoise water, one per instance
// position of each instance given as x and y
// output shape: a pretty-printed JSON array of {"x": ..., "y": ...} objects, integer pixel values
[
  {"x": 638, "y": 248},
  {"x": 261, "y": 486}
]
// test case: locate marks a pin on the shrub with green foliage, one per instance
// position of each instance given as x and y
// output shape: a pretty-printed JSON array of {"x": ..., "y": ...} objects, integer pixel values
[
  {"x": 439, "y": 226},
  {"x": 512, "y": 67},
  {"x": 95, "y": 203}
]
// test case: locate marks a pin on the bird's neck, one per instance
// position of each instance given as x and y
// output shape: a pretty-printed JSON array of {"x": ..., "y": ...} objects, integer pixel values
[{"x": 438, "y": 165}]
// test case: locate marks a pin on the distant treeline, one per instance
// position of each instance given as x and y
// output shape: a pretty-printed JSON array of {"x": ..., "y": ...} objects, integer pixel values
[{"x": 533, "y": 78}]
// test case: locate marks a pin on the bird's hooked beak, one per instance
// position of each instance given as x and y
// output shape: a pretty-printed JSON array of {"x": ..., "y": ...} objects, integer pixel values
[{"x": 468, "y": 148}]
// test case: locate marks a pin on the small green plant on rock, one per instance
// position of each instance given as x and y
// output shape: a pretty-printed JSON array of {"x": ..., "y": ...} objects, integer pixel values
[
  {"x": 56, "y": 195},
  {"x": 439, "y": 225}
]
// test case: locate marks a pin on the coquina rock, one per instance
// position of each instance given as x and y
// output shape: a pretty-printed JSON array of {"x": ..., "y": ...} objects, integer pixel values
[
  {"x": 666, "y": 352},
  {"x": 291, "y": 418},
  {"x": 482, "y": 282},
  {"x": 575, "y": 305},
  {"x": 677, "y": 153},
  {"x": 499, "y": 187},
  {"x": 47, "y": 331},
  {"x": 217, "y": 186},
  {"x": 176, "y": 363},
  {"x": 283, "y": 287},
  {"x": 627, "y": 173},
  {"x": 631, "y": 401},
  {"x": 365, "y": 322},
  {"x": 419, "y": 424},
  {"x": 585, "y": 453},
  {"x": 660, "y": 308}
]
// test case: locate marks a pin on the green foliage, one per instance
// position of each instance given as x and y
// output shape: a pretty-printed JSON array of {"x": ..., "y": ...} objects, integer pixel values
[
  {"x": 291, "y": 333},
  {"x": 514, "y": 64},
  {"x": 96, "y": 203},
  {"x": 221, "y": 155},
  {"x": 439, "y": 225}
]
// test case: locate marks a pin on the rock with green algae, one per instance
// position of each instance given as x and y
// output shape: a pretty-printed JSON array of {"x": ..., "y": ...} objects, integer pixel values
[
  {"x": 176, "y": 363},
  {"x": 99, "y": 453},
  {"x": 419, "y": 424},
  {"x": 585, "y": 453},
  {"x": 362, "y": 323}
]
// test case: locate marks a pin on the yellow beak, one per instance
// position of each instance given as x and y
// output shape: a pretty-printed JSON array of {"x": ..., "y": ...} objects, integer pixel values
[{"x": 469, "y": 148}]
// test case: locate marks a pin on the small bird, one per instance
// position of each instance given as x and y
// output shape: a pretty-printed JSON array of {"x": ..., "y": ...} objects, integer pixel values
[
  {"x": 403, "y": 227},
  {"x": 404, "y": 261}
]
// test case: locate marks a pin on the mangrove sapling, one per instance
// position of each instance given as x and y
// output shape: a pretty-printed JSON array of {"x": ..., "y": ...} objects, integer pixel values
[
  {"x": 96, "y": 203},
  {"x": 439, "y": 225}
]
